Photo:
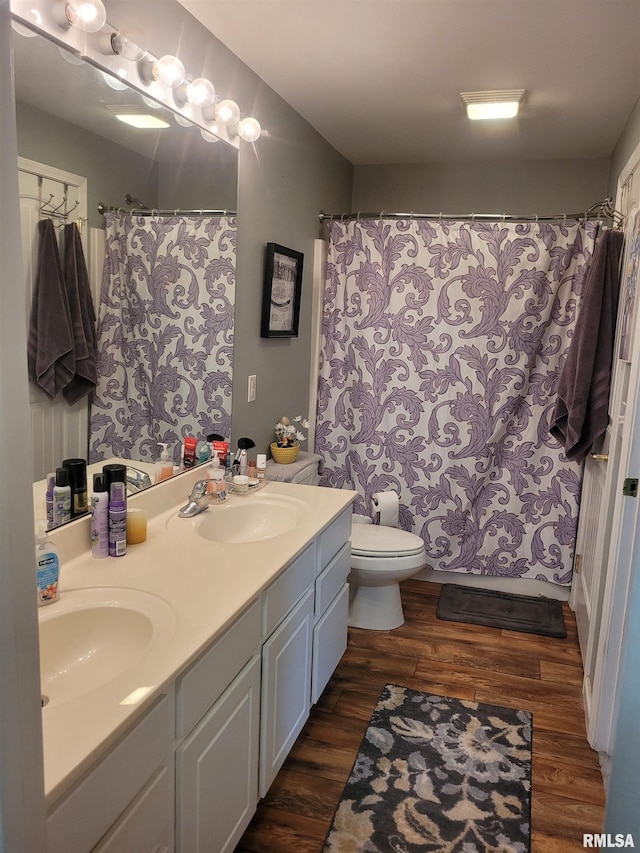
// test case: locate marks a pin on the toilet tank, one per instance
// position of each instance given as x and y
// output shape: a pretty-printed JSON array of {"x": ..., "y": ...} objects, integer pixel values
[{"x": 305, "y": 470}]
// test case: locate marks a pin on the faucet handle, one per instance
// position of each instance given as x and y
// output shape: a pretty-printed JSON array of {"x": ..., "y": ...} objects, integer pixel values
[{"x": 199, "y": 489}]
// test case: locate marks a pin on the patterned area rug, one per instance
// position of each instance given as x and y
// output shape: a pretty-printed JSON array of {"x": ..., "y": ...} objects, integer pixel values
[{"x": 437, "y": 775}]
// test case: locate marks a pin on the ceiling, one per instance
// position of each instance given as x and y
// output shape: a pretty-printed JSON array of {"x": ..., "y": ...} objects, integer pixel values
[{"x": 381, "y": 79}]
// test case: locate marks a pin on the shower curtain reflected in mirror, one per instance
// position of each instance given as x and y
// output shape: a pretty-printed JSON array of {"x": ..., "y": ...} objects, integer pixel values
[
  {"x": 442, "y": 343},
  {"x": 165, "y": 334}
]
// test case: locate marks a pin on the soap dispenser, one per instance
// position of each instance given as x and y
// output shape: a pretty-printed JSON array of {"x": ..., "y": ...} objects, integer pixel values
[{"x": 164, "y": 468}]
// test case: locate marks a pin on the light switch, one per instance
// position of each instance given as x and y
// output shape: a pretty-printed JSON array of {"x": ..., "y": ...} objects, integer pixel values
[{"x": 251, "y": 392}]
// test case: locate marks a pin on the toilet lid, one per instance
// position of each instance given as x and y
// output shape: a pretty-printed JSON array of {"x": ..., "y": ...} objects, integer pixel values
[{"x": 373, "y": 540}]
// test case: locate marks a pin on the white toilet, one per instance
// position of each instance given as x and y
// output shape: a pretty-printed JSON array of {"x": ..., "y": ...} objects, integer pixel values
[{"x": 381, "y": 557}]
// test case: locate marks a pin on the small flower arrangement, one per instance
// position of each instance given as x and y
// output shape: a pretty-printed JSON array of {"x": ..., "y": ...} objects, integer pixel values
[{"x": 288, "y": 434}]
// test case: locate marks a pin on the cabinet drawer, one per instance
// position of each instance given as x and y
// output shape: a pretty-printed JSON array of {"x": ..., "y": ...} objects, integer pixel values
[
  {"x": 216, "y": 668},
  {"x": 86, "y": 814},
  {"x": 330, "y": 582},
  {"x": 288, "y": 589},
  {"x": 334, "y": 537},
  {"x": 147, "y": 825},
  {"x": 329, "y": 642}
]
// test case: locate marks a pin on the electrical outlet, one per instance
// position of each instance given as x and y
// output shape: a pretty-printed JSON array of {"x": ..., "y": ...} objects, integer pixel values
[{"x": 251, "y": 392}]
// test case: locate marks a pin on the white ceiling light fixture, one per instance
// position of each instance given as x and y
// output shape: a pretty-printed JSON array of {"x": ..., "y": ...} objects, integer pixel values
[
  {"x": 90, "y": 16},
  {"x": 134, "y": 116},
  {"x": 500, "y": 104}
]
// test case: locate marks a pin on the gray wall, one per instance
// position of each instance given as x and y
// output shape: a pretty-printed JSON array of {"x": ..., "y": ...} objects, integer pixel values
[
  {"x": 543, "y": 187},
  {"x": 111, "y": 170}
]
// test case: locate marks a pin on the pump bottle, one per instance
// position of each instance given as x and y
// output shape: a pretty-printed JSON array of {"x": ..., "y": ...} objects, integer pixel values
[
  {"x": 47, "y": 567},
  {"x": 164, "y": 468}
]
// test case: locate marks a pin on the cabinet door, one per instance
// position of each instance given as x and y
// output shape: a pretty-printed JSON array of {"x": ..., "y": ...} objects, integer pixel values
[
  {"x": 329, "y": 642},
  {"x": 286, "y": 688},
  {"x": 217, "y": 770}
]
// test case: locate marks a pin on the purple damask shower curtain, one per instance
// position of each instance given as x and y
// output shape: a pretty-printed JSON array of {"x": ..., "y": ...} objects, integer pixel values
[
  {"x": 442, "y": 343},
  {"x": 165, "y": 334}
]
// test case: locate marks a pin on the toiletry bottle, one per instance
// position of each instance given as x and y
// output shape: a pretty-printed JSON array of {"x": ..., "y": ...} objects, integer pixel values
[
  {"x": 117, "y": 520},
  {"x": 164, "y": 468},
  {"x": 252, "y": 469},
  {"x": 114, "y": 472},
  {"x": 204, "y": 452},
  {"x": 51, "y": 482},
  {"x": 261, "y": 466},
  {"x": 61, "y": 498},
  {"x": 47, "y": 567},
  {"x": 99, "y": 517},
  {"x": 212, "y": 468},
  {"x": 244, "y": 463},
  {"x": 77, "y": 469}
]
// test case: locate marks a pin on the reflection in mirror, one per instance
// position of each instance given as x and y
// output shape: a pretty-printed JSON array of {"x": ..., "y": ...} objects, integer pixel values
[{"x": 75, "y": 153}]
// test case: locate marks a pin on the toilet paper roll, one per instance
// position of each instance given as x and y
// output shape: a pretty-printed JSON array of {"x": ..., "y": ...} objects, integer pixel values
[{"x": 387, "y": 505}]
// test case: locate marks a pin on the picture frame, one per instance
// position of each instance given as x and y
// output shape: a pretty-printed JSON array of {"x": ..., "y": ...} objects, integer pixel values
[{"x": 281, "y": 292}]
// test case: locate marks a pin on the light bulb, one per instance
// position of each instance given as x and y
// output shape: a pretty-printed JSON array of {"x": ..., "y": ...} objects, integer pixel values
[
  {"x": 228, "y": 112},
  {"x": 126, "y": 42},
  {"x": 201, "y": 92},
  {"x": 33, "y": 17},
  {"x": 249, "y": 129},
  {"x": 89, "y": 16},
  {"x": 114, "y": 82},
  {"x": 169, "y": 70},
  {"x": 208, "y": 137}
]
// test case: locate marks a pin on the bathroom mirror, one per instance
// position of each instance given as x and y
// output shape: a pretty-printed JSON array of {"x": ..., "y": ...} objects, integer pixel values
[{"x": 65, "y": 119}]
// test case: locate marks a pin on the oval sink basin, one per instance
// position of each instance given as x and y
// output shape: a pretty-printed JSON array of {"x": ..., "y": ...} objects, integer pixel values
[
  {"x": 92, "y": 636},
  {"x": 252, "y": 519}
]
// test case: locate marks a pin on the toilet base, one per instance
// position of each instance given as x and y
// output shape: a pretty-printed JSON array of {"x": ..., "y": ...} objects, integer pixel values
[{"x": 378, "y": 608}]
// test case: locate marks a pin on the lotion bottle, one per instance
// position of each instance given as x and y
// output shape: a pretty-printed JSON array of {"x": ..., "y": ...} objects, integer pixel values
[
  {"x": 47, "y": 567},
  {"x": 99, "y": 517},
  {"x": 164, "y": 468}
]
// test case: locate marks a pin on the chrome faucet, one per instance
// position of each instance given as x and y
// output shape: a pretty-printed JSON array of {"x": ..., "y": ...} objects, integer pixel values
[
  {"x": 199, "y": 499},
  {"x": 137, "y": 480}
]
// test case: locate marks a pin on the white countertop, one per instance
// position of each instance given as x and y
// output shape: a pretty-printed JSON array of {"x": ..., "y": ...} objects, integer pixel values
[{"x": 207, "y": 584}]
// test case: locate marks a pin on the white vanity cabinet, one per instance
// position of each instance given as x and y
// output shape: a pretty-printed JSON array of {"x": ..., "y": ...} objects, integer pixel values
[
  {"x": 125, "y": 802},
  {"x": 188, "y": 775}
]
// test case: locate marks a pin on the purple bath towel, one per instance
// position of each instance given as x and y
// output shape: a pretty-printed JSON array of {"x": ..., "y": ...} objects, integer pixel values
[
  {"x": 83, "y": 318},
  {"x": 581, "y": 414},
  {"x": 50, "y": 350}
]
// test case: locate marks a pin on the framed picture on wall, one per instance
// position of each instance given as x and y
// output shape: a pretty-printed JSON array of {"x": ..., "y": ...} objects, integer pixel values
[{"x": 281, "y": 293}]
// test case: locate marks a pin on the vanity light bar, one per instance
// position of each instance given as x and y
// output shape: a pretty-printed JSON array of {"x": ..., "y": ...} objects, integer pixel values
[{"x": 81, "y": 25}]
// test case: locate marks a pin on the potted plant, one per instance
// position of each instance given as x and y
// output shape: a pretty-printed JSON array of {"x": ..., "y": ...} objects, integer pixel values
[{"x": 288, "y": 437}]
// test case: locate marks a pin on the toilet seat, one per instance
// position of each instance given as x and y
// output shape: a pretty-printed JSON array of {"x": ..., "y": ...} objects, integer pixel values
[{"x": 373, "y": 540}]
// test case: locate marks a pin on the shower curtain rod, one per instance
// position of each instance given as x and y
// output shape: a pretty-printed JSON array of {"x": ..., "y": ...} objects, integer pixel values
[
  {"x": 103, "y": 208},
  {"x": 602, "y": 208}
]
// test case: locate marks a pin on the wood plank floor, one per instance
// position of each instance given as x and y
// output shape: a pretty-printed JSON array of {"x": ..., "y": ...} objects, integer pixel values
[{"x": 537, "y": 674}]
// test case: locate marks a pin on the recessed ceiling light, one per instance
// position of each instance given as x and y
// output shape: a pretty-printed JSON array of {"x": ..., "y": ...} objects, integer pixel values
[
  {"x": 137, "y": 117},
  {"x": 493, "y": 105}
]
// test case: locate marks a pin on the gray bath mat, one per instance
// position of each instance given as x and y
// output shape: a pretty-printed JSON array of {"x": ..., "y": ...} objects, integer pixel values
[{"x": 527, "y": 613}]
